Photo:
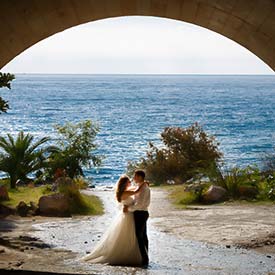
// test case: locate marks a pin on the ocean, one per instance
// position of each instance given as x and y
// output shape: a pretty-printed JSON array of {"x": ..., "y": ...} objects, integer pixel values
[{"x": 133, "y": 110}]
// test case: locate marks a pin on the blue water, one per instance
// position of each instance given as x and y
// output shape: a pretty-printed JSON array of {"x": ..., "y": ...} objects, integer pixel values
[{"x": 133, "y": 110}]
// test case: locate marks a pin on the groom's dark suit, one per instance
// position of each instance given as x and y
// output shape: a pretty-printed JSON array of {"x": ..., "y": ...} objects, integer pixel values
[
  {"x": 141, "y": 233},
  {"x": 140, "y": 209}
]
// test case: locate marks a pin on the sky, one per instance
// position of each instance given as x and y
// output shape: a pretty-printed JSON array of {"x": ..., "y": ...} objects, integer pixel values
[{"x": 137, "y": 45}]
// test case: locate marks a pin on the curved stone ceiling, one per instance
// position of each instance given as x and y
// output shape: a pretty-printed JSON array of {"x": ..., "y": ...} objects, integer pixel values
[{"x": 251, "y": 23}]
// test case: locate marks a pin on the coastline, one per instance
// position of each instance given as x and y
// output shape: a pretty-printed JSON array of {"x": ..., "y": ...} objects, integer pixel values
[{"x": 190, "y": 240}]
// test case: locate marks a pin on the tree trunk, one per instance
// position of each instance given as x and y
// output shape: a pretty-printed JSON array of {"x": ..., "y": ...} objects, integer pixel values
[{"x": 13, "y": 181}]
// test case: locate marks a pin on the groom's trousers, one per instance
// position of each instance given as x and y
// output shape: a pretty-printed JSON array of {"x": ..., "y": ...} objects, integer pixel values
[{"x": 141, "y": 233}]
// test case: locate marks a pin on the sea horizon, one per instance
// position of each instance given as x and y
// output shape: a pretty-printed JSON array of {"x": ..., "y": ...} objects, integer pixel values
[{"x": 143, "y": 74}]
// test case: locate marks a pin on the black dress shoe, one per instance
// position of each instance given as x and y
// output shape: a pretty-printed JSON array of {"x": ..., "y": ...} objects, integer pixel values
[{"x": 145, "y": 264}]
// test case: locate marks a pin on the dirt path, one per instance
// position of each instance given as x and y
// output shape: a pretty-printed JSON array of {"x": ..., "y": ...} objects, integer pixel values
[
  {"x": 175, "y": 236},
  {"x": 242, "y": 225}
]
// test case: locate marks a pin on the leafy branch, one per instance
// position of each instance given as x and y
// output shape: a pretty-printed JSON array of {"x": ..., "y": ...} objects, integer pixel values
[{"x": 5, "y": 82}]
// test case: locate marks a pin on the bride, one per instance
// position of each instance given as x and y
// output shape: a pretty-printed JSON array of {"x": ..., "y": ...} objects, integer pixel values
[{"x": 119, "y": 245}]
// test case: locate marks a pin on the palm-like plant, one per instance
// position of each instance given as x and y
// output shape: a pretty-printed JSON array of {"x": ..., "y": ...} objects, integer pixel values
[{"x": 21, "y": 156}]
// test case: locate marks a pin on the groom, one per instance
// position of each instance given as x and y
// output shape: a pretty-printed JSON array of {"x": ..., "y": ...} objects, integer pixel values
[{"x": 140, "y": 209}]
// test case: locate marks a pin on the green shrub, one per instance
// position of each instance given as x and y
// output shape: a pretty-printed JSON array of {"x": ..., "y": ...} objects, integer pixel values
[
  {"x": 185, "y": 153},
  {"x": 76, "y": 149},
  {"x": 235, "y": 178},
  {"x": 189, "y": 198},
  {"x": 80, "y": 203},
  {"x": 81, "y": 182},
  {"x": 47, "y": 189},
  {"x": 267, "y": 188}
]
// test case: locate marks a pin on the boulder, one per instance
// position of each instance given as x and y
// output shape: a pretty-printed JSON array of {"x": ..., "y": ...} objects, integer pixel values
[
  {"x": 4, "y": 195},
  {"x": 56, "y": 205},
  {"x": 247, "y": 191},
  {"x": 6, "y": 211},
  {"x": 214, "y": 194},
  {"x": 22, "y": 209},
  {"x": 34, "y": 209}
]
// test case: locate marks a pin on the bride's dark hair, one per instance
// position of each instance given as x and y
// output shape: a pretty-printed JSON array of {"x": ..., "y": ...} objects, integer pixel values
[{"x": 121, "y": 186}]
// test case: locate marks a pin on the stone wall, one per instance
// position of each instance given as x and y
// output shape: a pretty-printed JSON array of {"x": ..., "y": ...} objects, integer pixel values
[{"x": 251, "y": 23}]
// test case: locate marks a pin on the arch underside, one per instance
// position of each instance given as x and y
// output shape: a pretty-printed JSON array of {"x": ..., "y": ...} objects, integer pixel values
[{"x": 251, "y": 23}]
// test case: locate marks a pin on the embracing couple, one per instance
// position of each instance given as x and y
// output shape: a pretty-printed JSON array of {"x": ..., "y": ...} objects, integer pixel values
[{"x": 126, "y": 242}]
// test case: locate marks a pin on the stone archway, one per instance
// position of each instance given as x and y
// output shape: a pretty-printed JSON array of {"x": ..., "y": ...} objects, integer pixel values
[{"x": 248, "y": 22}]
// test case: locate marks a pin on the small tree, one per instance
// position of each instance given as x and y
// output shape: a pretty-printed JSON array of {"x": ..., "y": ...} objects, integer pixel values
[
  {"x": 185, "y": 153},
  {"x": 76, "y": 148},
  {"x": 21, "y": 156},
  {"x": 5, "y": 81}
]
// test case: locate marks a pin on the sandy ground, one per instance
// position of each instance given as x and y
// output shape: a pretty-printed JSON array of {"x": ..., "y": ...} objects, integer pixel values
[
  {"x": 240, "y": 224},
  {"x": 197, "y": 240}
]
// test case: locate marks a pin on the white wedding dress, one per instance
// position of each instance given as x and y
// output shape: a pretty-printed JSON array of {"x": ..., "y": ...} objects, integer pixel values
[{"x": 118, "y": 245}]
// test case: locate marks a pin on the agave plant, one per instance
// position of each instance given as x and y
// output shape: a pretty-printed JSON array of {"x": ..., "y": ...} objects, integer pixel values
[{"x": 22, "y": 156}]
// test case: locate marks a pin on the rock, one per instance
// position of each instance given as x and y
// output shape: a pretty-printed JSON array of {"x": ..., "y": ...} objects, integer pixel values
[
  {"x": 56, "y": 205},
  {"x": 34, "y": 208},
  {"x": 41, "y": 245},
  {"x": 247, "y": 191},
  {"x": 228, "y": 246},
  {"x": 20, "y": 262},
  {"x": 214, "y": 194},
  {"x": 4, "y": 195},
  {"x": 6, "y": 211},
  {"x": 22, "y": 209},
  {"x": 170, "y": 182}
]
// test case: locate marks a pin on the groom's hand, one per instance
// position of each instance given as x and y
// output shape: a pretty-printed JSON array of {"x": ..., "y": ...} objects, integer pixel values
[{"x": 125, "y": 208}]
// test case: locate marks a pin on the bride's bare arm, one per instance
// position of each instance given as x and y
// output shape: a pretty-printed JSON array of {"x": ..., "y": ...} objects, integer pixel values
[{"x": 128, "y": 193}]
